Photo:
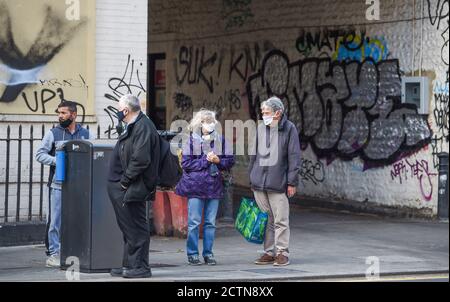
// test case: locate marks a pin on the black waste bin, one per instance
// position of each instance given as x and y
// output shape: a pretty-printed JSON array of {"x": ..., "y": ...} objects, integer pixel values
[{"x": 89, "y": 229}]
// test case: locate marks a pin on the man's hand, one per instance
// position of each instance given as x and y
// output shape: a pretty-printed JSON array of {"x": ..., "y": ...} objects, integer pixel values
[{"x": 291, "y": 190}]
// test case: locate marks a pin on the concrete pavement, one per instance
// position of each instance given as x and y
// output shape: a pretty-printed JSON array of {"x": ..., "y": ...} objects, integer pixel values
[{"x": 324, "y": 245}]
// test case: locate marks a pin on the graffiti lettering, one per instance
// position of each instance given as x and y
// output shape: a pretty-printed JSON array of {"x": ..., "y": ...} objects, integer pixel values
[
  {"x": 343, "y": 109},
  {"x": 312, "y": 171},
  {"x": 195, "y": 66},
  {"x": 399, "y": 170},
  {"x": 416, "y": 170},
  {"x": 324, "y": 40},
  {"x": 251, "y": 64},
  {"x": 318, "y": 41},
  {"x": 439, "y": 15},
  {"x": 441, "y": 118},
  {"x": 230, "y": 101},
  {"x": 73, "y": 83},
  {"x": 441, "y": 113},
  {"x": 184, "y": 107},
  {"x": 195, "y": 73},
  {"x": 126, "y": 84},
  {"x": 438, "y": 145},
  {"x": 129, "y": 83},
  {"x": 46, "y": 95},
  {"x": 182, "y": 102},
  {"x": 40, "y": 100},
  {"x": 342, "y": 45}
]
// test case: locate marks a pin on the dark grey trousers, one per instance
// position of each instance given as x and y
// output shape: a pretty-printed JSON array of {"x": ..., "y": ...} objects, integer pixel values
[{"x": 133, "y": 222}]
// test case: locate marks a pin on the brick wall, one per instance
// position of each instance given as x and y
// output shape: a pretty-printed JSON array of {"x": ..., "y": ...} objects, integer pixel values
[{"x": 121, "y": 41}]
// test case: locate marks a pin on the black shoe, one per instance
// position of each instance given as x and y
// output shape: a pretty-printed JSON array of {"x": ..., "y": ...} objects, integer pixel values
[
  {"x": 117, "y": 272},
  {"x": 194, "y": 260},
  {"x": 137, "y": 273},
  {"x": 209, "y": 260}
]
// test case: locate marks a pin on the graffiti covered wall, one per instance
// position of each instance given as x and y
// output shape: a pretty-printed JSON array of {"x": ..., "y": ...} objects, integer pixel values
[{"x": 339, "y": 76}]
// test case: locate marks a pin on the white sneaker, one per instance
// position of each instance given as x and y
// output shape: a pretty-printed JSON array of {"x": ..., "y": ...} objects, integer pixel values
[{"x": 53, "y": 261}]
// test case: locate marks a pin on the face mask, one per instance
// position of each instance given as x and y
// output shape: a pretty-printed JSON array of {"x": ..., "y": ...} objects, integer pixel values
[
  {"x": 65, "y": 123},
  {"x": 120, "y": 115},
  {"x": 267, "y": 120},
  {"x": 209, "y": 127},
  {"x": 206, "y": 137}
]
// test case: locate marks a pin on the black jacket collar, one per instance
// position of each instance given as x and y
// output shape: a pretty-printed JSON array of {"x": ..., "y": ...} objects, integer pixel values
[{"x": 130, "y": 127}]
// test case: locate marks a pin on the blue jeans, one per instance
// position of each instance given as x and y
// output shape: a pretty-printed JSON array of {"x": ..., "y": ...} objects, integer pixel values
[
  {"x": 195, "y": 209},
  {"x": 55, "y": 221}
]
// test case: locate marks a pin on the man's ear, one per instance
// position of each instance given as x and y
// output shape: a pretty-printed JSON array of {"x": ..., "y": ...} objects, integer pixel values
[{"x": 278, "y": 114}]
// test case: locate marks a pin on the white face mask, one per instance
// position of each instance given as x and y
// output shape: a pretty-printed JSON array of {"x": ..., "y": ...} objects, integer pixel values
[
  {"x": 209, "y": 127},
  {"x": 267, "y": 120}
]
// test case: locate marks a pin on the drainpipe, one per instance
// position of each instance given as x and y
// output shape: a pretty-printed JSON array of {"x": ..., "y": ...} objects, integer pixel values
[{"x": 443, "y": 186}]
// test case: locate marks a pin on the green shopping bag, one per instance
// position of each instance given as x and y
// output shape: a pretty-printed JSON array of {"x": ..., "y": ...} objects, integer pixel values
[{"x": 251, "y": 222}]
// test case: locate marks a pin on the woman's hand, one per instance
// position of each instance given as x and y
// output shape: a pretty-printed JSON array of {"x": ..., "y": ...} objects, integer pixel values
[
  {"x": 216, "y": 159},
  {"x": 211, "y": 157}
]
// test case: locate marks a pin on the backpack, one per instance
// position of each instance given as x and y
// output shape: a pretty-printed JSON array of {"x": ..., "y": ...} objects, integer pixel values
[{"x": 170, "y": 171}]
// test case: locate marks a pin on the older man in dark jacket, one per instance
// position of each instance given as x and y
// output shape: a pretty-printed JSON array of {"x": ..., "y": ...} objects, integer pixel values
[
  {"x": 132, "y": 180},
  {"x": 274, "y": 177}
]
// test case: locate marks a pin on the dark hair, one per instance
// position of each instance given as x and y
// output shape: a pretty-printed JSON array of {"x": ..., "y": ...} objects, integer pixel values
[{"x": 69, "y": 104}]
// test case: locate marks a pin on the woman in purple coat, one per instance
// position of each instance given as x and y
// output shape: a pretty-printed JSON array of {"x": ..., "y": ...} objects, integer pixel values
[{"x": 205, "y": 155}]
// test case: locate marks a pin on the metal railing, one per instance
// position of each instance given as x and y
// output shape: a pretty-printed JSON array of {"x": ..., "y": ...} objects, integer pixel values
[{"x": 29, "y": 142}]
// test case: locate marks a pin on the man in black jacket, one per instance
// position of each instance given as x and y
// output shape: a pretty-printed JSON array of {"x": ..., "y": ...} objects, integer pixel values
[{"x": 132, "y": 181}]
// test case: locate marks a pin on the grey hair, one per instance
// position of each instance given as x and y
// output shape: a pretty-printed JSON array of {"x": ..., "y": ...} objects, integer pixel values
[
  {"x": 131, "y": 102},
  {"x": 196, "y": 121},
  {"x": 273, "y": 103}
]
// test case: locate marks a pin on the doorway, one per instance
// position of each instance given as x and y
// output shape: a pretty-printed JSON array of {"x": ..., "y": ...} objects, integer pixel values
[{"x": 156, "y": 109}]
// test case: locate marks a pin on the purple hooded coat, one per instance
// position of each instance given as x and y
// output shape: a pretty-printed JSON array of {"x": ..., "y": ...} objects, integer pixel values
[{"x": 196, "y": 181}]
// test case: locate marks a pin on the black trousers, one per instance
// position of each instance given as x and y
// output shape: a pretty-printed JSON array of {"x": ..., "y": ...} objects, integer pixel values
[{"x": 133, "y": 222}]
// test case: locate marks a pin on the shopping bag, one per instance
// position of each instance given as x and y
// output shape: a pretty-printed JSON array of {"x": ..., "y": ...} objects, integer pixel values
[{"x": 251, "y": 222}]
